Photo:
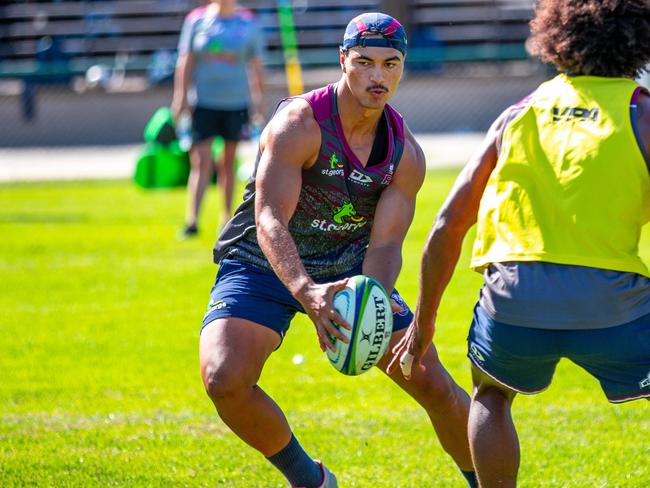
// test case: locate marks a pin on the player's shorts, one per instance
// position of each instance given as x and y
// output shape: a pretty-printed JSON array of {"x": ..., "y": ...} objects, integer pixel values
[
  {"x": 245, "y": 291},
  {"x": 208, "y": 123},
  {"x": 524, "y": 359}
]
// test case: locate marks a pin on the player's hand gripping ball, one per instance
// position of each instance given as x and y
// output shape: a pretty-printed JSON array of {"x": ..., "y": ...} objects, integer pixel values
[{"x": 367, "y": 308}]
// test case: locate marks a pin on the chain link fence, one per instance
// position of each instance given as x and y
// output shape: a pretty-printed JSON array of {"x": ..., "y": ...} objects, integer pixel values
[{"x": 93, "y": 72}]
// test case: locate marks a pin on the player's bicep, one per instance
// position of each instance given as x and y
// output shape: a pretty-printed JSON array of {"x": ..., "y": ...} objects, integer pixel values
[
  {"x": 396, "y": 207},
  {"x": 393, "y": 217},
  {"x": 288, "y": 144}
]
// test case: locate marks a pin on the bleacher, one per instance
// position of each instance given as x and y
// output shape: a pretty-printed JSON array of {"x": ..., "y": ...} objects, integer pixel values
[
  {"x": 130, "y": 32},
  {"x": 474, "y": 30},
  {"x": 89, "y": 32}
]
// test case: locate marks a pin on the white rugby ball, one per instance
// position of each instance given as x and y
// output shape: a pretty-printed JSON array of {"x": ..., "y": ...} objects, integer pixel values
[{"x": 366, "y": 306}]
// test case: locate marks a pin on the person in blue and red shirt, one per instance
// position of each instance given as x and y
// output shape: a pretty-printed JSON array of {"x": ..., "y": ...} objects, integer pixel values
[
  {"x": 332, "y": 163},
  {"x": 219, "y": 79}
]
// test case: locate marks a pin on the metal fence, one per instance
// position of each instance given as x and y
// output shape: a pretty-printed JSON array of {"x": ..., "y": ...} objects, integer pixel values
[{"x": 93, "y": 72}]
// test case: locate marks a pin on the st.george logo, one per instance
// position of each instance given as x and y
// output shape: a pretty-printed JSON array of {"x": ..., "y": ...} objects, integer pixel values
[
  {"x": 334, "y": 162},
  {"x": 346, "y": 210},
  {"x": 344, "y": 217},
  {"x": 335, "y": 167}
]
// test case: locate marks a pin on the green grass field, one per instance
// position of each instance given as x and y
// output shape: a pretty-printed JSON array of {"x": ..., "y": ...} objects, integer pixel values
[{"x": 100, "y": 309}]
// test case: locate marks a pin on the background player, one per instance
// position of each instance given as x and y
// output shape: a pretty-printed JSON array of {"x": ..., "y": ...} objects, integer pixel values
[{"x": 220, "y": 45}]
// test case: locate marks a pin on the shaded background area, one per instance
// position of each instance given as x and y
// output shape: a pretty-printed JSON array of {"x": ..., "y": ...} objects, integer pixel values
[{"x": 93, "y": 72}]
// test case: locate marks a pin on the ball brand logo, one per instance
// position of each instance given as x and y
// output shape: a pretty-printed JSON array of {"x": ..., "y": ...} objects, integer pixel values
[
  {"x": 365, "y": 336},
  {"x": 380, "y": 328},
  {"x": 574, "y": 113},
  {"x": 336, "y": 167},
  {"x": 346, "y": 210}
]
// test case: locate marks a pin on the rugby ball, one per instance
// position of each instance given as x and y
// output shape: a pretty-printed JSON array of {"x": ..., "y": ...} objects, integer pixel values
[{"x": 366, "y": 306}]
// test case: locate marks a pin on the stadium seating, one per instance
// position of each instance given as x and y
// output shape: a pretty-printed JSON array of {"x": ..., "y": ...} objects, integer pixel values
[
  {"x": 80, "y": 34},
  {"x": 470, "y": 30}
]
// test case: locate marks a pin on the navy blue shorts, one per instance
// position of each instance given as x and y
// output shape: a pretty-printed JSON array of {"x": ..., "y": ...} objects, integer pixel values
[
  {"x": 208, "y": 123},
  {"x": 524, "y": 359},
  {"x": 245, "y": 291}
]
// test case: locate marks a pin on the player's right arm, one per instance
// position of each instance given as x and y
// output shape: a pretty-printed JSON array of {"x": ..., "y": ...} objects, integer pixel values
[
  {"x": 289, "y": 143},
  {"x": 182, "y": 80},
  {"x": 184, "y": 66}
]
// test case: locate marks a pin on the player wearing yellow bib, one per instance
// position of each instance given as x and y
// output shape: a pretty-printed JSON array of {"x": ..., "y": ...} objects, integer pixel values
[{"x": 560, "y": 190}]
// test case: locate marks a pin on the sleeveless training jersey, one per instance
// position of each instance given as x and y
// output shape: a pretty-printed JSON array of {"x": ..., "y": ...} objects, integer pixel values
[
  {"x": 571, "y": 185},
  {"x": 335, "y": 211}
]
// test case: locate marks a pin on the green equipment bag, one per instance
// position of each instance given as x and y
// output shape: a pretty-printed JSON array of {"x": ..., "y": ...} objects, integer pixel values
[
  {"x": 161, "y": 166},
  {"x": 160, "y": 127},
  {"x": 161, "y": 163}
]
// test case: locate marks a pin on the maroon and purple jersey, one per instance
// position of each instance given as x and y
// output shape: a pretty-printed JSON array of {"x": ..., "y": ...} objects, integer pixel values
[{"x": 335, "y": 212}]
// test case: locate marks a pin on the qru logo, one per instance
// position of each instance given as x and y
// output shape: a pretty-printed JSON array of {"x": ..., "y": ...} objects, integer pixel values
[{"x": 645, "y": 382}]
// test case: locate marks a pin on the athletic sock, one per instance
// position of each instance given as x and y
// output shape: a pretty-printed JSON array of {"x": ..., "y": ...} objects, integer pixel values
[
  {"x": 296, "y": 465},
  {"x": 470, "y": 476}
]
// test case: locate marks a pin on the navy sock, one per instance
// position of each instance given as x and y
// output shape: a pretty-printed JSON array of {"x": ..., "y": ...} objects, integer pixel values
[
  {"x": 296, "y": 465},
  {"x": 470, "y": 476}
]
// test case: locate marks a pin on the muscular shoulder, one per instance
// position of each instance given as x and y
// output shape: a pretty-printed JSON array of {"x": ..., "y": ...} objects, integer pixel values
[{"x": 294, "y": 130}]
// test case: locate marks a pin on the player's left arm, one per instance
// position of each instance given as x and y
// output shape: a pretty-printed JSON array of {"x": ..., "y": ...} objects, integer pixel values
[
  {"x": 256, "y": 75},
  {"x": 394, "y": 215},
  {"x": 256, "y": 87}
]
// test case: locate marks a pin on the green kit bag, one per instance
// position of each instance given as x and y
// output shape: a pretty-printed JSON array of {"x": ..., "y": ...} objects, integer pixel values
[{"x": 161, "y": 163}]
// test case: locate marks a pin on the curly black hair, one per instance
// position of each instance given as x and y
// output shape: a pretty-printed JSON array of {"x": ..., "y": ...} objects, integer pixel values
[{"x": 592, "y": 37}]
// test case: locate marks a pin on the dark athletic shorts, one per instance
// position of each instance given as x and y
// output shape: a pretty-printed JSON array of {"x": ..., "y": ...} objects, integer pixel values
[
  {"x": 245, "y": 291},
  {"x": 208, "y": 123},
  {"x": 524, "y": 359}
]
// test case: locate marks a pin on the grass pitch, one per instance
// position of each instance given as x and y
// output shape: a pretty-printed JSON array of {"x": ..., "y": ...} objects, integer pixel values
[{"x": 100, "y": 309}]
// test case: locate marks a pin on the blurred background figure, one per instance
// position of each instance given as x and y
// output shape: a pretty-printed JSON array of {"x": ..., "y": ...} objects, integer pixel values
[
  {"x": 52, "y": 66},
  {"x": 218, "y": 81}
]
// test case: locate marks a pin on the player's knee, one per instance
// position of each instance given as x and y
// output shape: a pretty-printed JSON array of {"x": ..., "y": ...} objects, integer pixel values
[
  {"x": 442, "y": 392},
  {"x": 223, "y": 382},
  {"x": 437, "y": 393},
  {"x": 493, "y": 394}
]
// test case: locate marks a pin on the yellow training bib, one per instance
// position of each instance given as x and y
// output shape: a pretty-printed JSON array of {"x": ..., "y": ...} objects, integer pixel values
[{"x": 571, "y": 185}]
